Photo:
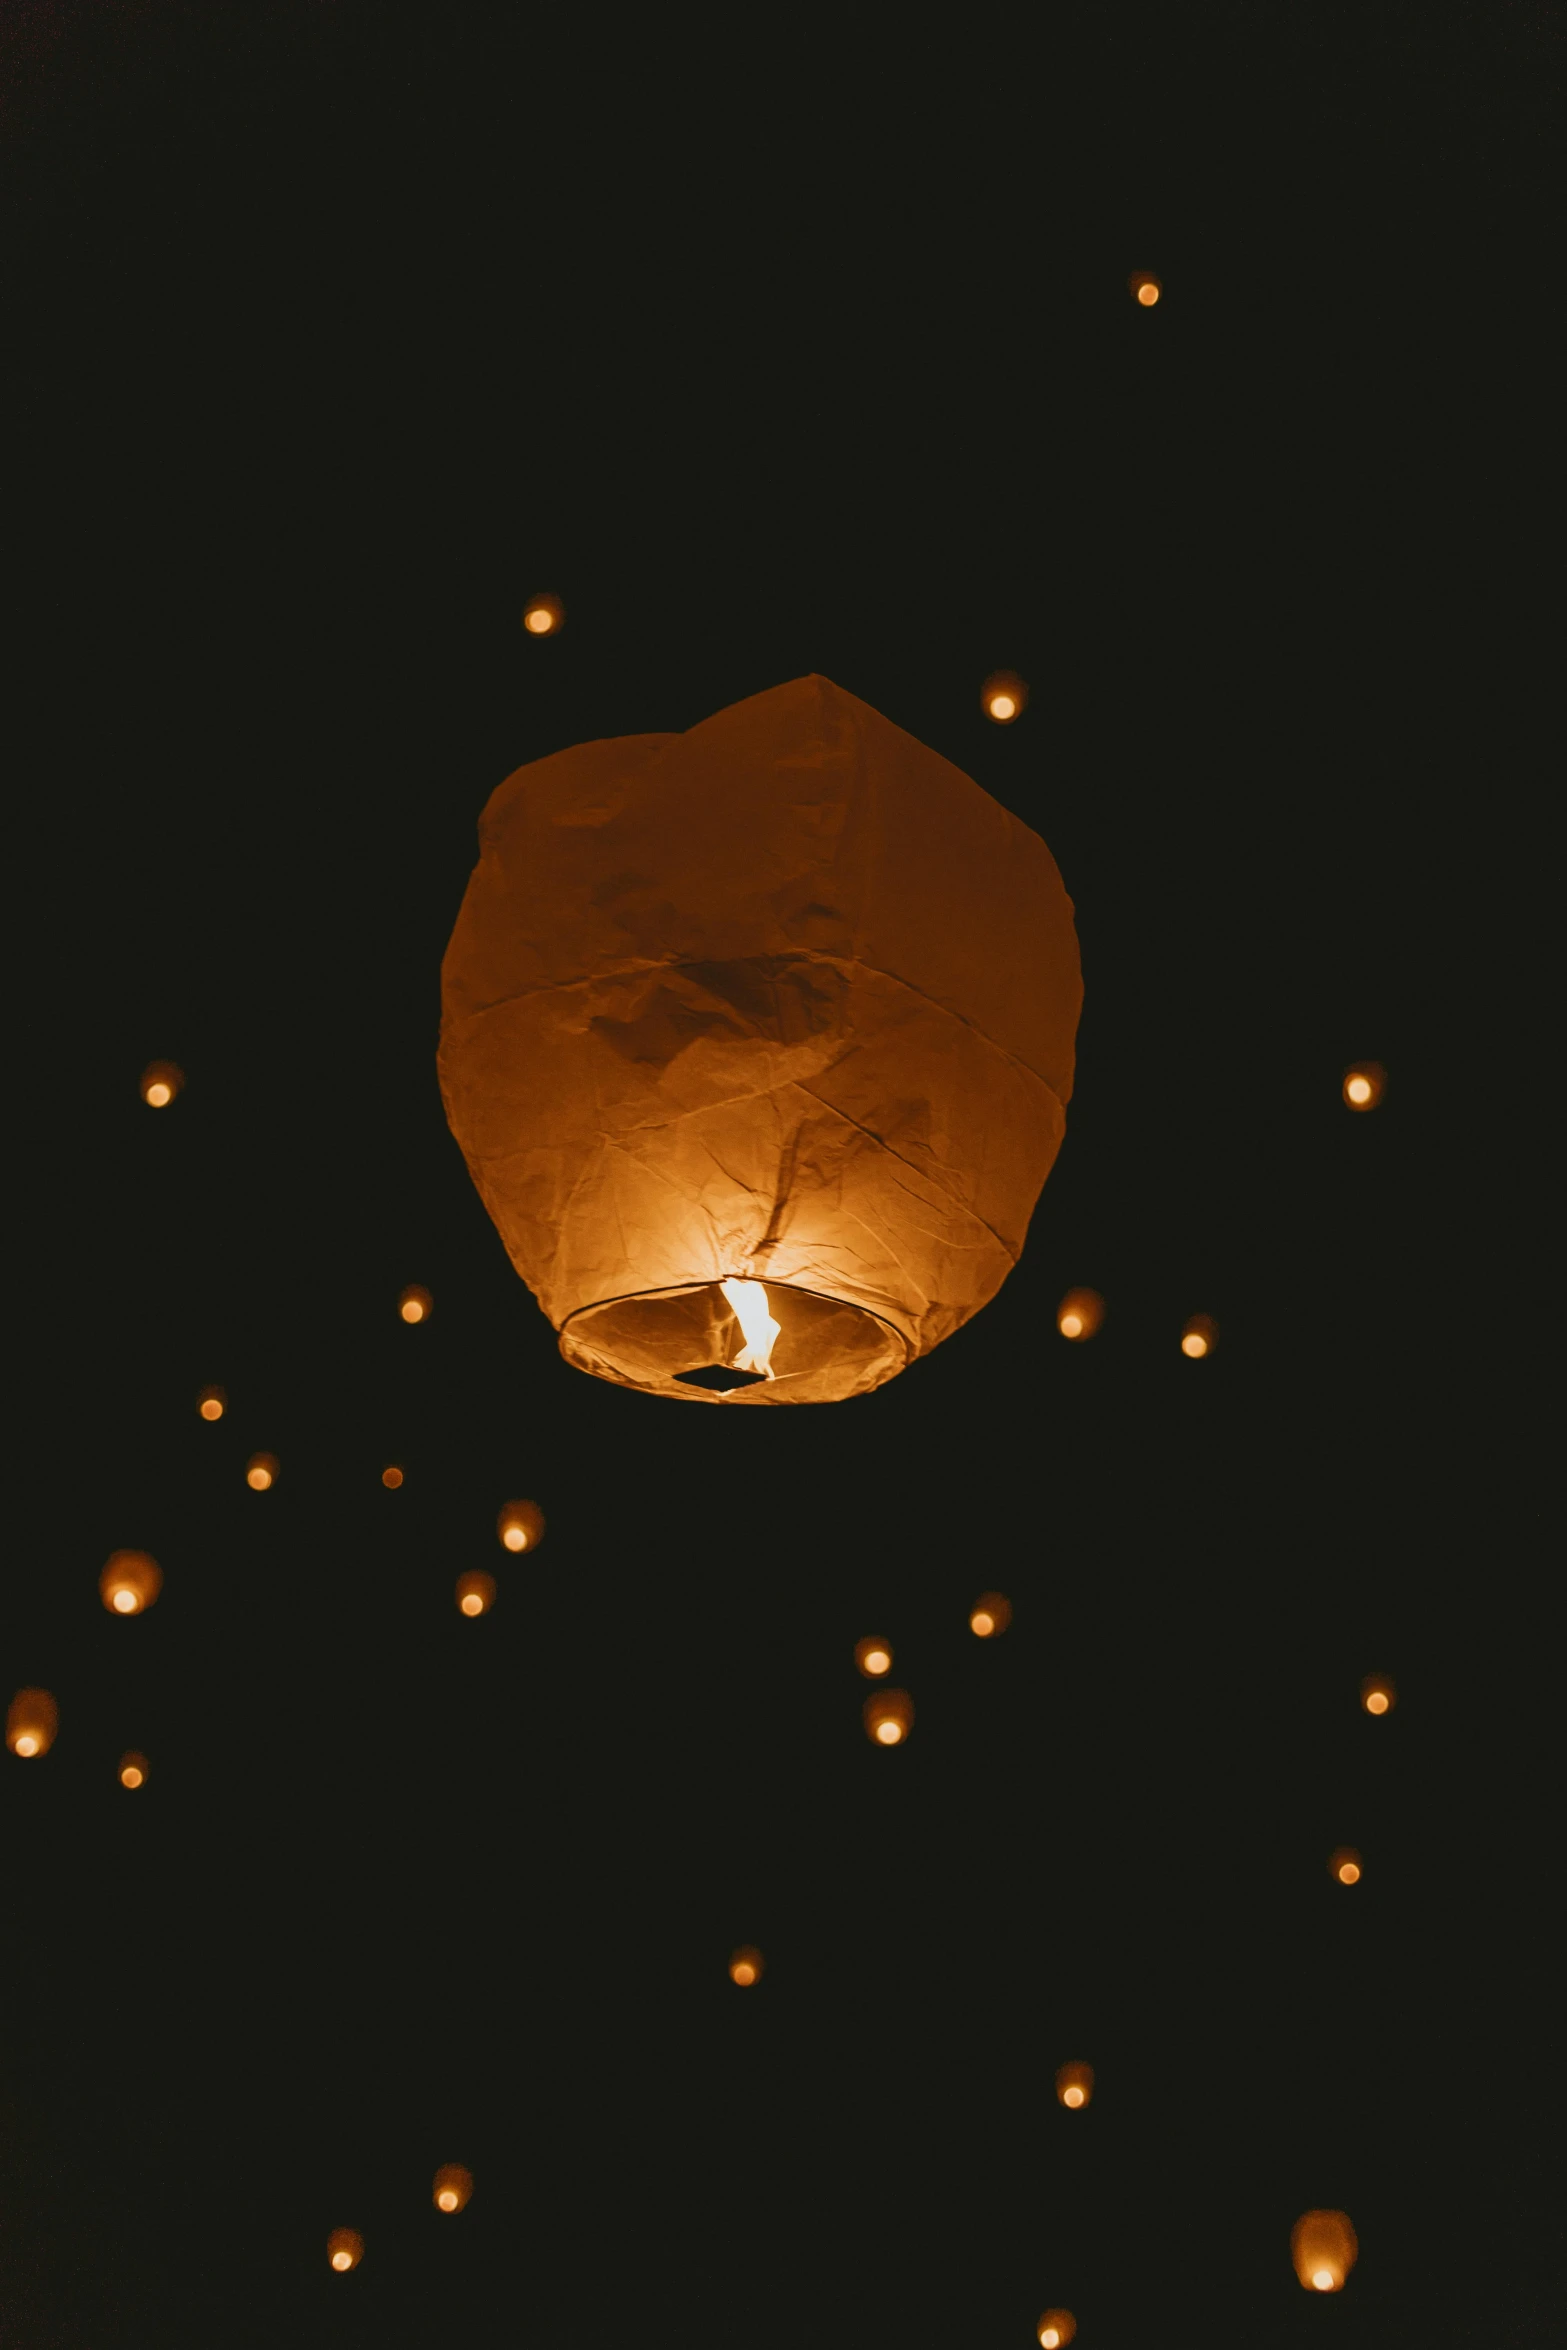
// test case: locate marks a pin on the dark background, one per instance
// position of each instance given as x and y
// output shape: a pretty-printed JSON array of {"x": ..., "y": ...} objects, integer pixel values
[{"x": 334, "y": 334}]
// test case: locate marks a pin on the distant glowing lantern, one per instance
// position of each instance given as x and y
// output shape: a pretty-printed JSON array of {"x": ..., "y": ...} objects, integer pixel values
[
  {"x": 345, "y": 2248},
  {"x": 873, "y": 1656},
  {"x": 1080, "y": 1313},
  {"x": 521, "y": 1525},
  {"x": 1200, "y": 1337},
  {"x": 990, "y": 1615},
  {"x": 745, "y": 1967},
  {"x": 453, "y": 2186},
  {"x": 1323, "y": 2247},
  {"x": 1345, "y": 1865},
  {"x": 261, "y": 1472},
  {"x": 1365, "y": 1082},
  {"x": 415, "y": 1305},
  {"x": 130, "y": 1582},
  {"x": 475, "y": 1592},
  {"x": 160, "y": 1082},
  {"x": 1145, "y": 290},
  {"x": 543, "y": 616},
  {"x": 211, "y": 1403},
  {"x": 133, "y": 1770},
  {"x": 758, "y": 1041},
  {"x": 1075, "y": 2086},
  {"x": 391, "y": 1479},
  {"x": 31, "y": 1721},
  {"x": 1003, "y": 696},
  {"x": 1377, "y": 1694},
  {"x": 1056, "y": 2329},
  {"x": 889, "y": 1716}
]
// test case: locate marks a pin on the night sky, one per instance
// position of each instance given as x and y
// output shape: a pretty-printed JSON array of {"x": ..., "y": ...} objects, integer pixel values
[{"x": 335, "y": 334}]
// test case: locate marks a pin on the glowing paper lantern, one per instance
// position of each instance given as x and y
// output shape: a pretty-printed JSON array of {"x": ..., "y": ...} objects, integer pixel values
[
  {"x": 990, "y": 1615},
  {"x": 745, "y": 1967},
  {"x": 415, "y": 1305},
  {"x": 212, "y": 1403},
  {"x": 1200, "y": 1337},
  {"x": 1056, "y": 2329},
  {"x": 873, "y": 1656},
  {"x": 452, "y": 2188},
  {"x": 1003, "y": 696},
  {"x": 261, "y": 1472},
  {"x": 475, "y": 1592},
  {"x": 889, "y": 1716},
  {"x": 1345, "y": 1865},
  {"x": 1075, "y": 2086},
  {"x": 31, "y": 1721},
  {"x": 133, "y": 1769},
  {"x": 130, "y": 1582},
  {"x": 160, "y": 1082},
  {"x": 758, "y": 1041},
  {"x": 391, "y": 1478},
  {"x": 543, "y": 616},
  {"x": 1145, "y": 290},
  {"x": 1365, "y": 1082},
  {"x": 1080, "y": 1313},
  {"x": 1377, "y": 1694},
  {"x": 345, "y": 2248},
  {"x": 520, "y": 1525},
  {"x": 1323, "y": 2247}
]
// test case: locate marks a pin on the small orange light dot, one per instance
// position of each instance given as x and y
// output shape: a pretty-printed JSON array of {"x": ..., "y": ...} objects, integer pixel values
[
  {"x": 258, "y": 1479},
  {"x": 1195, "y": 1345},
  {"x": 515, "y": 1538},
  {"x": 1359, "y": 1089},
  {"x": 1072, "y": 2097},
  {"x": 472, "y": 1604},
  {"x": 1071, "y": 1325},
  {"x": 342, "y": 2260},
  {"x": 743, "y": 1972},
  {"x": 1376, "y": 1701},
  {"x": 1003, "y": 707},
  {"x": 981, "y": 1624},
  {"x": 26, "y": 1743},
  {"x": 211, "y": 1409},
  {"x": 391, "y": 1479},
  {"x": 412, "y": 1310},
  {"x": 1050, "y": 2339},
  {"x": 877, "y": 1660},
  {"x": 1148, "y": 293},
  {"x": 126, "y": 1602},
  {"x": 130, "y": 1776},
  {"x": 539, "y": 620},
  {"x": 1349, "y": 1872},
  {"x": 447, "y": 2199},
  {"x": 158, "y": 1094},
  {"x": 1324, "y": 2280},
  {"x": 889, "y": 1733}
]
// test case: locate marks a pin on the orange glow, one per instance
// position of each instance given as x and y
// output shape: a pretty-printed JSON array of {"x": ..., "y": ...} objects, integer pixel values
[
  {"x": 415, "y": 1305},
  {"x": 160, "y": 1082},
  {"x": 1080, "y": 1313},
  {"x": 1075, "y": 2085},
  {"x": 452, "y": 2186},
  {"x": 760, "y": 1331},
  {"x": 31, "y": 1721},
  {"x": 261, "y": 1472},
  {"x": 543, "y": 615},
  {"x": 1346, "y": 1865},
  {"x": 475, "y": 1592},
  {"x": 345, "y": 2249},
  {"x": 1003, "y": 696},
  {"x": 1365, "y": 1082},
  {"x": 1200, "y": 1337},
  {"x": 1377, "y": 1694},
  {"x": 130, "y": 1581},
  {"x": 889, "y": 1716},
  {"x": 133, "y": 1770},
  {"x": 745, "y": 1967},
  {"x": 1056, "y": 2329},
  {"x": 1144, "y": 289},
  {"x": 874, "y": 1657},
  {"x": 1323, "y": 2248},
  {"x": 520, "y": 1525},
  {"x": 391, "y": 1479},
  {"x": 991, "y": 1615},
  {"x": 211, "y": 1403}
]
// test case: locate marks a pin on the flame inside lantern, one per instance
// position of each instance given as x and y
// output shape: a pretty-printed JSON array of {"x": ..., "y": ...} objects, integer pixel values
[{"x": 749, "y": 1300}]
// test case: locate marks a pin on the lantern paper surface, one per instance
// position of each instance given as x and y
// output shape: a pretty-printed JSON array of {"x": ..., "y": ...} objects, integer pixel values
[{"x": 785, "y": 1000}]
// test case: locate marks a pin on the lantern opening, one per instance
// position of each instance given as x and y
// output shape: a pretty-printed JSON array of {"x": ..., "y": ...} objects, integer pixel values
[
  {"x": 721, "y": 1378},
  {"x": 714, "y": 1341}
]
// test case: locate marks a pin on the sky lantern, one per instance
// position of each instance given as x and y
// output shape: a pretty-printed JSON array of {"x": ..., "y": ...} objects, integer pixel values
[
  {"x": 1080, "y": 1313},
  {"x": 391, "y": 1477},
  {"x": 758, "y": 1042},
  {"x": 1075, "y": 2085},
  {"x": 1346, "y": 1865},
  {"x": 1323, "y": 2247},
  {"x": 134, "y": 1768},
  {"x": 160, "y": 1082},
  {"x": 31, "y": 1721},
  {"x": 873, "y": 1656},
  {"x": 745, "y": 1966},
  {"x": 452, "y": 2187},
  {"x": 889, "y": 1716},
  {"x": 1144, "y": 288},
  {"x": 261, "y": 1472},
  {"x": 990, "y": 1615},
  {"x": 345, "y": 2249},
  {"x": 212, "y": 1403},
  {"x": 475, "y": 1592},
  {"x": 1377, "y": 1694},
  {"x": 1003, "y": 696},
  {"x": 1365, "y": 1082},
  {"x": 1056, "y": 2329},
  {"x": 415, "y": 1304},
  {"x": 543, "y": 616},
  {"x": 1200, "y": 1337},
  {"x": 520, "y": 1525},
  {"x": 130, "y": 1582}
]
